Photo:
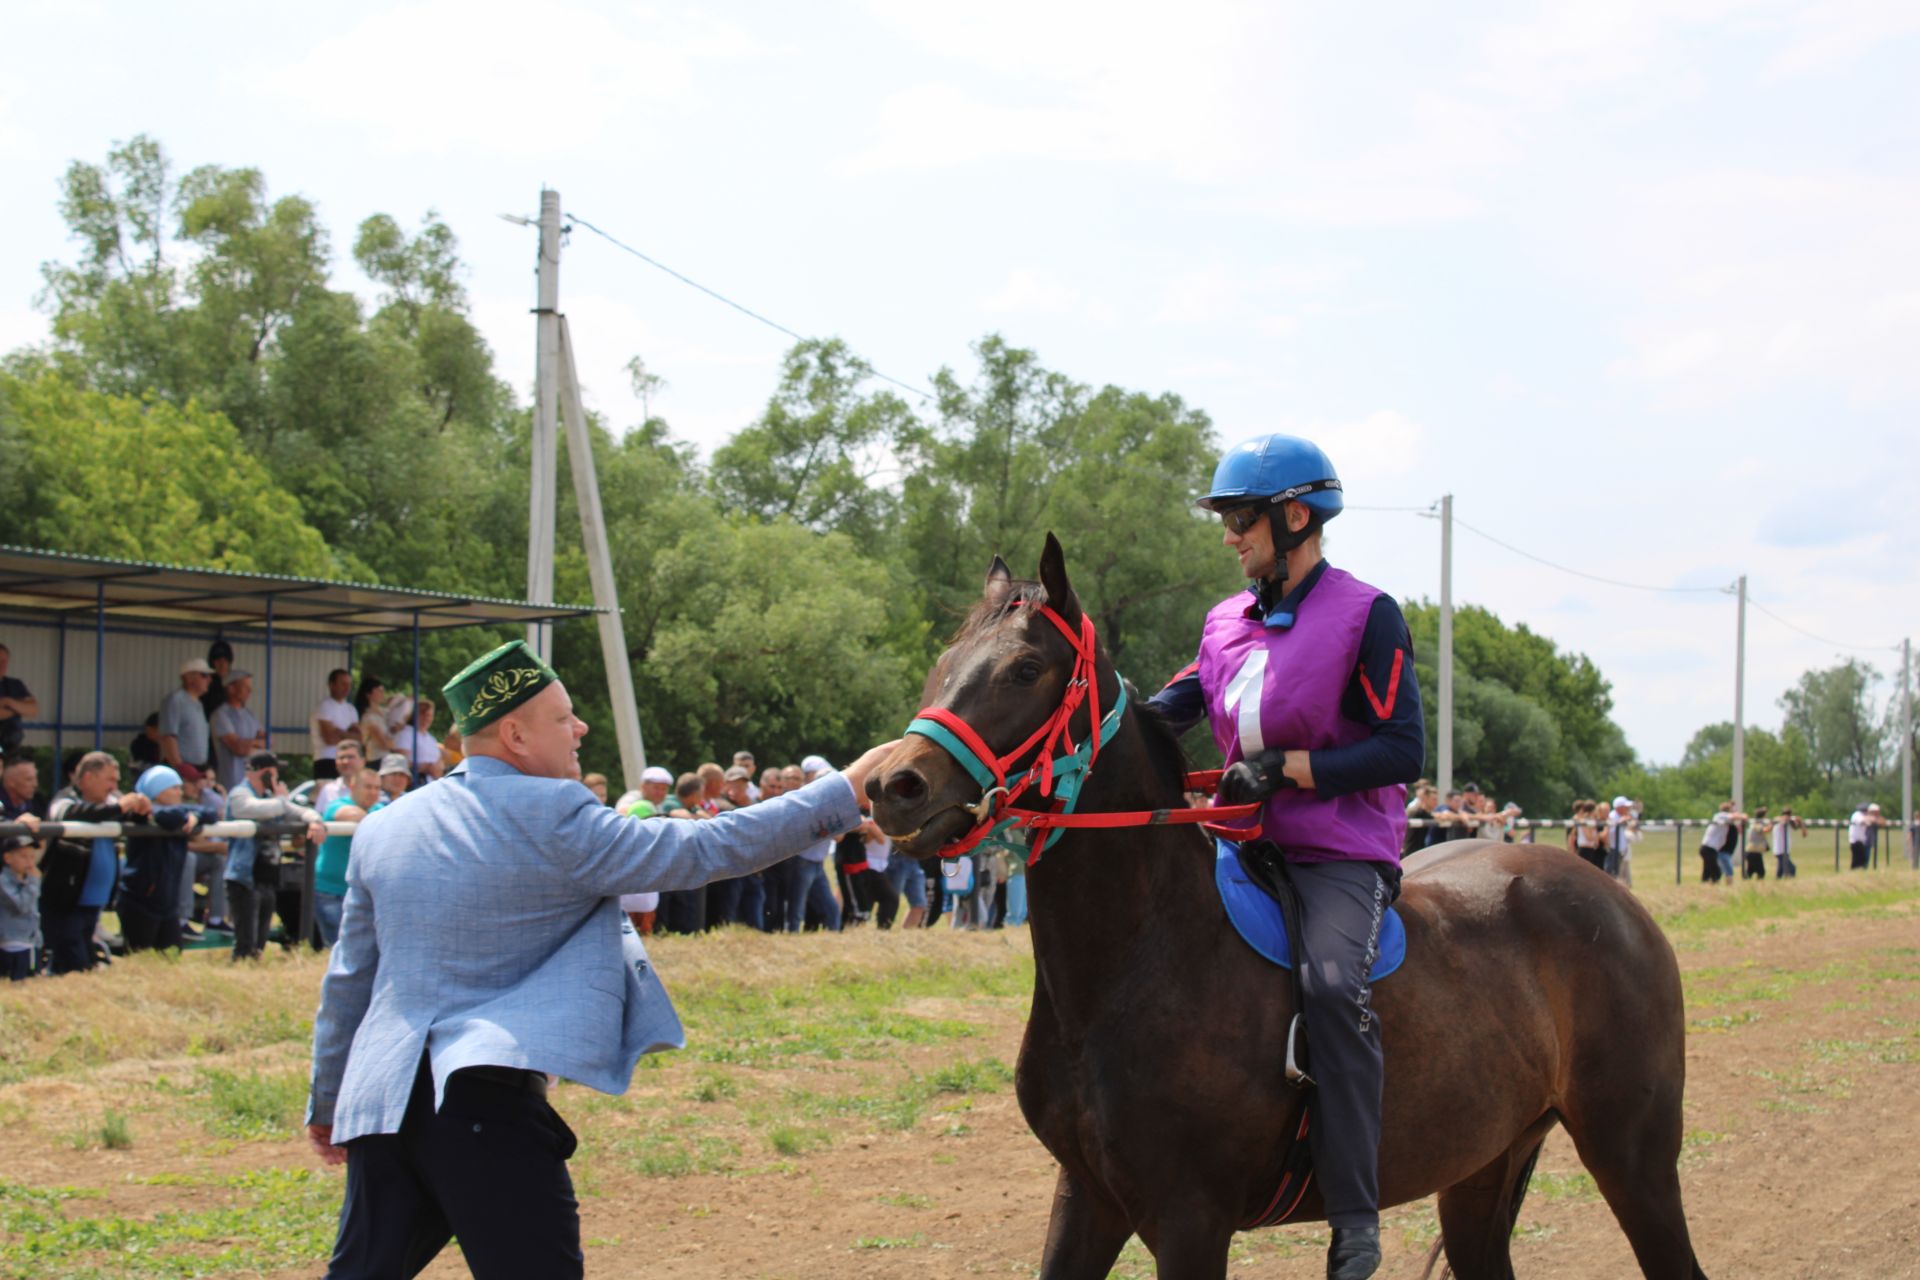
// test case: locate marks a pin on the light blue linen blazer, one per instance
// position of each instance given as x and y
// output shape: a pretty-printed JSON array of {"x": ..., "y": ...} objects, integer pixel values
[{"x": 482, "y": 926}]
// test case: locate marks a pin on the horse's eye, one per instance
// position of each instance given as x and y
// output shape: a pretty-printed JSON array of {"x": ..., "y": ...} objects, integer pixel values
[{"x": 1026, "y": 672}]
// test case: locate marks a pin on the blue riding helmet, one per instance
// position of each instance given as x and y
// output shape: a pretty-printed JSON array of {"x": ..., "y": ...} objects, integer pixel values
[{"x": 1276, "y": 467}]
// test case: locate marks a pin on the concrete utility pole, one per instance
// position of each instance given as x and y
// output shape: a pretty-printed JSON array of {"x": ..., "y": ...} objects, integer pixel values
[
  {"x": 557, "y": 382},
  {"x": 1443, "y": 773},
  {"x": 1906, "y": 750},
  {"x": 593, "y": 532},
  {"x": 1740, "y": 702},
  {"x": 546, "y": 432}
]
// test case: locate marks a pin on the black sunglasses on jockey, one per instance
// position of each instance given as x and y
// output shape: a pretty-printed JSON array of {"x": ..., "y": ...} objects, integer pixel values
[{"x": 1242, "y": 518}]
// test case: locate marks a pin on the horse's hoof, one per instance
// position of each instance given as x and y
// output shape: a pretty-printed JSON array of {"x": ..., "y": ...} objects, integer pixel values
[{"x": 1354, "y": 1253}]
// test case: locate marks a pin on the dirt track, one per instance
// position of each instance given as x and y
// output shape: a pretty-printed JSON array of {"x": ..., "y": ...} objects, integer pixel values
[
  {"x": 1803, "y": 1066},
  {"x": 1803, "y": 1070}
]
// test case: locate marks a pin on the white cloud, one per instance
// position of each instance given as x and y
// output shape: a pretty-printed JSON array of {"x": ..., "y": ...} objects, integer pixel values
[
  {"x": 1749, "y": 281},
  {"x": 1025, "y": 291},
  {"x": 1829, "y": 35},
  {"x": 1109, "y": 83},
  {"x": 499, "y": 78},
  {"x": 1385, "y": 445}
]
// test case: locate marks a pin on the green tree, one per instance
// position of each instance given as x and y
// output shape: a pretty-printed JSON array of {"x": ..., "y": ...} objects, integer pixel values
[
  {"x": 1145, "y": 561},
  {"x": 116, "y": 322},
  {"x": 814, "y": 455},
  {"x": 143, "y": 480},
  {"x": 1557, "y": 743},
  {"x": 1834, "y": 709}
]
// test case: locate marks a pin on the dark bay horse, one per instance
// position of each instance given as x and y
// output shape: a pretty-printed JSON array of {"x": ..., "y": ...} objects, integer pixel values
[{"x": 1537, "y": 991}]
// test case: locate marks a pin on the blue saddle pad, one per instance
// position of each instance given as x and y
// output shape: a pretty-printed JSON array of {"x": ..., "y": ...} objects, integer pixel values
[{"x": 1257, "y": 916}]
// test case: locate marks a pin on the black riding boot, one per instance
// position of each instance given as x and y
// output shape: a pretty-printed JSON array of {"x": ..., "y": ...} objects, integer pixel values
[{"x": 1354, "y": 1253}]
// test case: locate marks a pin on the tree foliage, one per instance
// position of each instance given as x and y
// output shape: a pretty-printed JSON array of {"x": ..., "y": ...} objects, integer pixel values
[
  {"x": 109, "y": 475},
  {"x": 1531, "y": 723},
  {"x": 1833, "y": 710}
]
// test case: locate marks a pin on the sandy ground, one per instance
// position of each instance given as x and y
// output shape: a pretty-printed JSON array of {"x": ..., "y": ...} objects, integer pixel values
[{"x": 1803, "y": 1068}]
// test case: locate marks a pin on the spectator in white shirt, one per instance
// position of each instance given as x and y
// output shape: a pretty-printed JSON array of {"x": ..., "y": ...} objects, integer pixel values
[
  {"x": 1717, "y": 844},
  {"x": 331, "y": 721},
  {"x": 1863, "y": 832},
  {"x": 413, "y": 741}
]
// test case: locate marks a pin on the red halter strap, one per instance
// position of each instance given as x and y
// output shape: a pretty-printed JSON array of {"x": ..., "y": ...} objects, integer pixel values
[{"x": 1054, "y": 739}]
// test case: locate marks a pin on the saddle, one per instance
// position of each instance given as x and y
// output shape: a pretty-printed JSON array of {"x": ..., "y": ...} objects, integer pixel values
[{"x": 1254, "y": 906}]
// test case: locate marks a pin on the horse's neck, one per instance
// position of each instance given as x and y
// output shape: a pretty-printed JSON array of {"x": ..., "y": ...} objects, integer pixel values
[{"x": 1100, "y": 899}]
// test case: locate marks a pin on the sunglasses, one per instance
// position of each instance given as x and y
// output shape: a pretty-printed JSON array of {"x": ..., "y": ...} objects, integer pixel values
[{"x": 1240, "y": 519}]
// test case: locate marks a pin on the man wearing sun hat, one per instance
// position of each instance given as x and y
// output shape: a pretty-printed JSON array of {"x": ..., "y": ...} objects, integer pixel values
[{"x": 482, "y": 950}]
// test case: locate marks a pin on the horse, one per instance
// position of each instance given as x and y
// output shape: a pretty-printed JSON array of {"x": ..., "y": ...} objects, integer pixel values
[{"x": 1536, "y": 991}]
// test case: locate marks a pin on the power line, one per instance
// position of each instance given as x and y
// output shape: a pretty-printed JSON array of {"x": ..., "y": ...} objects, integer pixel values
[
  {"x": 1579, "y": 573},
  {"x": 1841, "y": 644},
  {"x": 717, "y": 296}
]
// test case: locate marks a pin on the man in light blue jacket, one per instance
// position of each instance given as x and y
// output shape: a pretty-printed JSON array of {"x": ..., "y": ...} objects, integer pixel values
[{"x": 482, "y": 950}]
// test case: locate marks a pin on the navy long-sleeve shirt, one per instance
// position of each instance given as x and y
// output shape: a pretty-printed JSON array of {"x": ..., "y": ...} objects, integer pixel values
[{"x": 1383, "y": 694}]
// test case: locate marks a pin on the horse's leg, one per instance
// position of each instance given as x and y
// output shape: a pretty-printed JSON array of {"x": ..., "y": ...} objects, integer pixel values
[
  {"x": 1085, "y": 1233},
  {"x": 1189, "y": 1245},
  {"x": 1477, "y": 1215},
  {"x": 1628, "y": 1135}
]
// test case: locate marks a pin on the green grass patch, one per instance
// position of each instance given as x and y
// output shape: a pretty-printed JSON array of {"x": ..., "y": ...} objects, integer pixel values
[
  {"x": 1578, "y": 1185},
  {"x": 253, "y": 1105},
  {"x": 843, "y": 1012},
  {"x": 713, "y": 1086},
  {"x": 1750, "y": 905},
  {"x": 274, "y": 1219},
  {"x": 914, "y": 1241},
  {"x": 114, "y": 1134},
  {"x": 797, "y": 1140},
  {"x": 1723, "y": 1021},
  {"x": 986, "y": 1075},
  {"x": 905, "y": 1200}
]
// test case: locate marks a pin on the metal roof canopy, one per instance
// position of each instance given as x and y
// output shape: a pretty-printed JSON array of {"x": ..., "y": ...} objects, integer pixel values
[{"x": 73, "y": 584}]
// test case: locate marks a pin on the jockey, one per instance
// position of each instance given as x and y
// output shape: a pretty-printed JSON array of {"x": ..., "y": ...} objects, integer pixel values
[{"x": 1307, "y": 682}]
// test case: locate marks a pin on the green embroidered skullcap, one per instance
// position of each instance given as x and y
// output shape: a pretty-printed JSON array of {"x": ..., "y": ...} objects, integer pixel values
[{"x": 495, "y": 684}]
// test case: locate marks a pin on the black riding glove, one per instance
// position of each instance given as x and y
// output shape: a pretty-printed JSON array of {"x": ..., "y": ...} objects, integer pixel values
[{"x": 1255, "y": 778}]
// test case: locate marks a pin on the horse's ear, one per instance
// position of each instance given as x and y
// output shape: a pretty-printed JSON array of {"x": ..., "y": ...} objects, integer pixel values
[
  {"x": 999, "y": 582},
  {"x": 1053, "y": 576}
]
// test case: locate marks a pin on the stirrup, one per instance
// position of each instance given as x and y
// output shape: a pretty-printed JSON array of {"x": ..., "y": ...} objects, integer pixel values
[{"x": 1296, "y": 1075}]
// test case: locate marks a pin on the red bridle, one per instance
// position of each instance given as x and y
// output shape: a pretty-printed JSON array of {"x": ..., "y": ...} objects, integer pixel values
[{"x": 997, "y": 812}]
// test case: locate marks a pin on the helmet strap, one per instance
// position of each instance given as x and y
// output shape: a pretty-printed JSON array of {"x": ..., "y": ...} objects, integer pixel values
[{"x": 1273, "y": 589}]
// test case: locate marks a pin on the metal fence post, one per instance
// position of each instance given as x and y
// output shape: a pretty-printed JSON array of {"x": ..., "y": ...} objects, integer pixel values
[
  {"x": 306, "y": 893},
  {"x": 1836, "y": 848},
  {"x": 1679, "y": 850}
]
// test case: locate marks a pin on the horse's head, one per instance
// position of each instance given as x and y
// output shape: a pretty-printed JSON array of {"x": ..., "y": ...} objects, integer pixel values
[{"x": 1004, "y": 676}]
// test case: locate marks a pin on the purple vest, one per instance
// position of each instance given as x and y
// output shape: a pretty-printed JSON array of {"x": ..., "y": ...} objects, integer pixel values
[{"x": 1279, "y": 688}]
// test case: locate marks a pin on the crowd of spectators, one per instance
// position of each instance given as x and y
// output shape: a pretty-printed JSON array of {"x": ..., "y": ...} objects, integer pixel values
[
  {"x": 199, "y": 759},
  {"x": 202, "y": 757},
  {"x": 837, "y": 884}
]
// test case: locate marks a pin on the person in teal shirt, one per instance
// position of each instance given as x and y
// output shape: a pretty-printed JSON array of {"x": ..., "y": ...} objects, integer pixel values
[{"x": 330, "y": 866}]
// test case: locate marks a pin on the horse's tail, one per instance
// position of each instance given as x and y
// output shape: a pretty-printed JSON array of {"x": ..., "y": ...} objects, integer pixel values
[{"x": 1514, "y": 1199}]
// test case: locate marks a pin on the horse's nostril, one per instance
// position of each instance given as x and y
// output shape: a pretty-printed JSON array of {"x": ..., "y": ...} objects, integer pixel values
[{"x": 905, "y": 785}]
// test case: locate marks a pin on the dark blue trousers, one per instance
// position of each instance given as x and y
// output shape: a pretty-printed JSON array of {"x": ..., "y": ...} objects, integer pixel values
[
  {"x": 1341, "y": 907},
  {"x": 490, "y": 1168},
  {"x": 69, "y": 937}
]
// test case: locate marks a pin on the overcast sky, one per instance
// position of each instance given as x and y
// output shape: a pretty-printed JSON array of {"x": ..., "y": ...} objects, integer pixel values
[{"x": 1638, "y": 283}]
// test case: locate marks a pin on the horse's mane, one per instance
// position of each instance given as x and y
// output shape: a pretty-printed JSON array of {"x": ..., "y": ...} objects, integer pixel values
[
  {"x": 1163, "y": 744},
  {"x": 988, "y": 614}
]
